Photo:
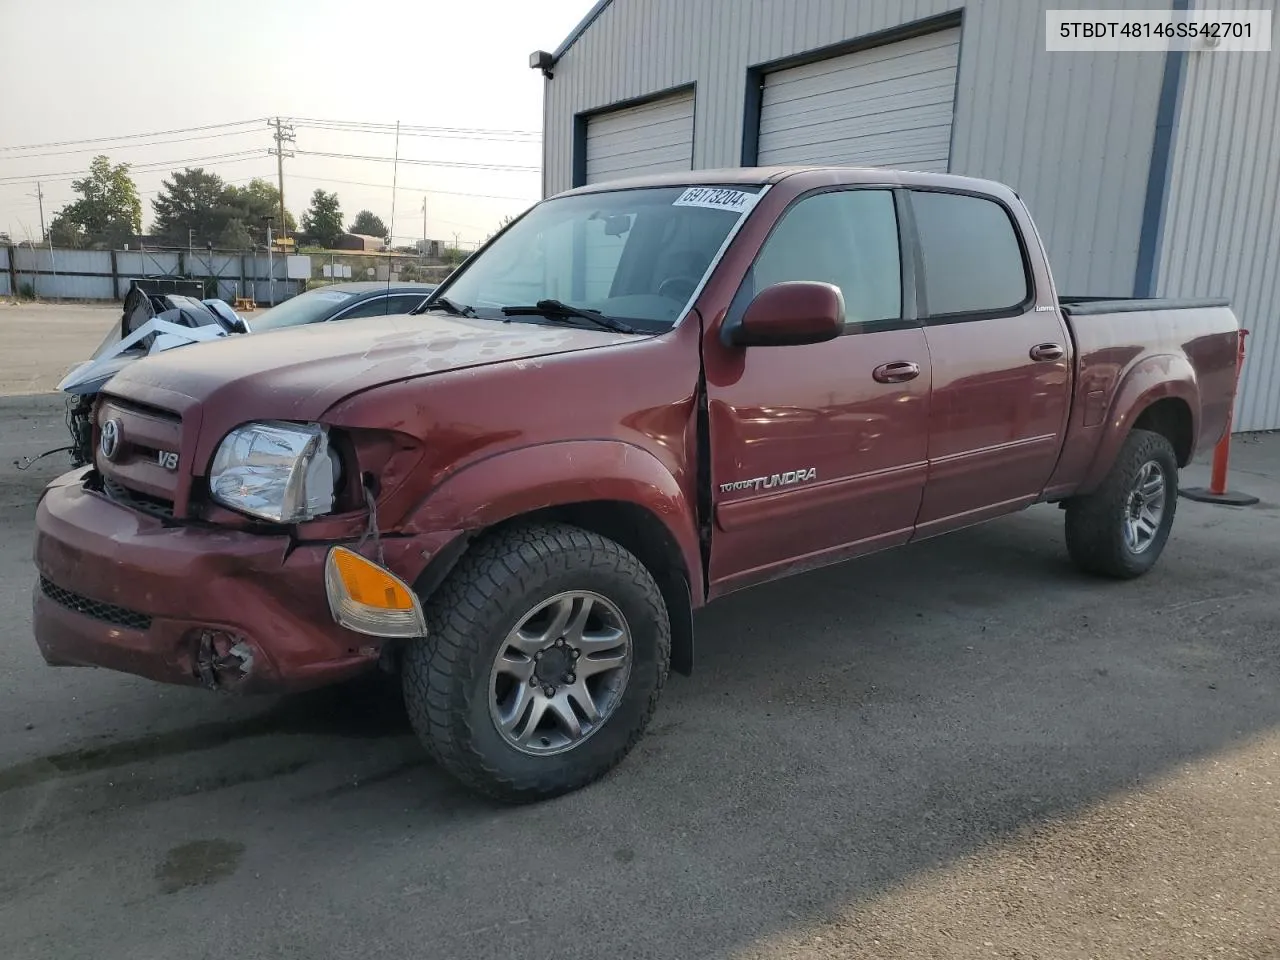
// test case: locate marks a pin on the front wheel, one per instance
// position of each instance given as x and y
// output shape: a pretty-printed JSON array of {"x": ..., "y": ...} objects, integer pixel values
[
  {"x": 1121, "y": 528},
  {"x": 547, "y": 649}
]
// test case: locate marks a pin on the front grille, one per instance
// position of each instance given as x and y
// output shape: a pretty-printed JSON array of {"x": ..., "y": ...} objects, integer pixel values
[
  {"x": 106, "y": 612},
  {"x": 143, "y": 409},
  {"x": 156, "y": 506},
  {"x": 136, "y": 473}
]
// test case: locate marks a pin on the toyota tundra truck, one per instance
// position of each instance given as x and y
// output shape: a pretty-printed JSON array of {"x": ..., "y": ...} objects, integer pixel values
[{"x": 637, "y": 398}]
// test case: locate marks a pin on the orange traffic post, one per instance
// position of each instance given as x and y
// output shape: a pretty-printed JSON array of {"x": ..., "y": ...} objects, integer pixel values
[{"x": 1217, "y": 491}]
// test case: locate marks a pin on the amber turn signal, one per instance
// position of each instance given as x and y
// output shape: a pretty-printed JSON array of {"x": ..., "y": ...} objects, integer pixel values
[{"x": 368, "y": 598}]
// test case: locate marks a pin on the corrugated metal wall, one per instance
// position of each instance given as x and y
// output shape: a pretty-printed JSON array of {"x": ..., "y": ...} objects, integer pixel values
[
  {"x": 59, "y": 269},
  {"x": 86, "y": 274},
  {"x": 1222, "y": 216},
  {"x": 1072, "y": 132}
]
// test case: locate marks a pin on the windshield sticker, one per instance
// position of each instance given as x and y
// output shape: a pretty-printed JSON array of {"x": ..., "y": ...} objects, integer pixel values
[
  {"x": 333, "y": 295},
  {"x": 716, "y": 198}
]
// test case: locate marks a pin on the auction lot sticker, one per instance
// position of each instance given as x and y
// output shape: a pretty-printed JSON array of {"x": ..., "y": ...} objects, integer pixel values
[{"x": 717, "y": 198}]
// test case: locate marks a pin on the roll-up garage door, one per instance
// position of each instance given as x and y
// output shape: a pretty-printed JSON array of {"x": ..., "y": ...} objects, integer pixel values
[
  {"x": 654, "y": 137},
  {"x": 887, "y": 106}
]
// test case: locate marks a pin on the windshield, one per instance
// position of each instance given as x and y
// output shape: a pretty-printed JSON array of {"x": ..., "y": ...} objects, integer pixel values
[
  {"x": 114, "y": 336},
  {"x": 304, "y": 308},
  {"x": 634, "y": 255}
]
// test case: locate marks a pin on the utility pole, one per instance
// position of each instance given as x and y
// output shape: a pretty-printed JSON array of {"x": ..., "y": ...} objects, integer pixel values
[
  {"x": 39, "y": 195},
  {"x": 283, "y": 134},
  {"x": 424, "y": 228},
  {"x": 271, "y": 267}
]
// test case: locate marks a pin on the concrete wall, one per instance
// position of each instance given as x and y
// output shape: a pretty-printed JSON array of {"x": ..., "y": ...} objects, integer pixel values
[{"x": 1072, "y": 132}]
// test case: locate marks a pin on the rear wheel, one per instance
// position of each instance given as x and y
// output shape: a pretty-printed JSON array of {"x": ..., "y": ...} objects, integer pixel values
[
  {"x": 547, "y": 650},
  {"x": 1121, "y": 528}
]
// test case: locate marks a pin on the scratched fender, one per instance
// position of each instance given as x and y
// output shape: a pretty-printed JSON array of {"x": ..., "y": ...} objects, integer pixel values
[
  {"x": 1152, "y": 379},
  {"x": 520, "y": 481}
]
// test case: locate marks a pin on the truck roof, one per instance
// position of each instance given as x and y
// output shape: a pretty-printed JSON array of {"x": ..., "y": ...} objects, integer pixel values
[{"x": 818, "y": 174}]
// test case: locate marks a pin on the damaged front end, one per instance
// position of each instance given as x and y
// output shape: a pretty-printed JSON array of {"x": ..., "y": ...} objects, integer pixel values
[{"x": 223, "y": 660}]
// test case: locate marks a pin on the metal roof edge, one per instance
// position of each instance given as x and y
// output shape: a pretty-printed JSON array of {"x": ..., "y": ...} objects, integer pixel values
[{"x": 580, "y": 29}]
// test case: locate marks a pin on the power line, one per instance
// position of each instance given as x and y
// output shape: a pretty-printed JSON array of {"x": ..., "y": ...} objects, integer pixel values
[
  {"x": 364, "y": 125},
  {"x": 134, "y": 146},
  {"x": 225, "y": 183},
  {"x": 447, "y": 193},
  {"x": 511, "y": 168},
  {"x": 142, "y": 193},
  {"x": 472, "y": 137},
  {"x": 144, "y": 167},
  {"x": 135, "y": 136}
]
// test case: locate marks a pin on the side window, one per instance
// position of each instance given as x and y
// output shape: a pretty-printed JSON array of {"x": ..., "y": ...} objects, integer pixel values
[
  {"x": 375, "y": 307},
  {"x": 848, "y": 238},
  {"x": 406, "y": 302},
  {"x": 972, "y": 260}
]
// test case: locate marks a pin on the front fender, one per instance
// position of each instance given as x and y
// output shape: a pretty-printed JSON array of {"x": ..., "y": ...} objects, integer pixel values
[
  {"x": 1148, "y": 381},
  {"x": 527, "y": 479}
]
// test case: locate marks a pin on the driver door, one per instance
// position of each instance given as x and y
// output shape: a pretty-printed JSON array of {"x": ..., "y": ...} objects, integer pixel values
[{"x": 819, "y": 451}]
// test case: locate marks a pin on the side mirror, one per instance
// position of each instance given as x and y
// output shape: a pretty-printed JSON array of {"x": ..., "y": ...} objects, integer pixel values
[{"x": 791, "y": 313}]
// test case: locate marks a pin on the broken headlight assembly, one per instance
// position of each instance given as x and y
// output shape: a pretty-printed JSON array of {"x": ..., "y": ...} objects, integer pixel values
[{"x": 276, "y": 471}]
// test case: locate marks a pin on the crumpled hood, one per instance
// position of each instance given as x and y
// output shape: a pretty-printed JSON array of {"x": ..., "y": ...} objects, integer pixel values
[{"x": 300, "y": 372}]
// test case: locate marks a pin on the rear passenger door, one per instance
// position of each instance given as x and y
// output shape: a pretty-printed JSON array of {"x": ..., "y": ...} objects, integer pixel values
[
  {"x": 1001, "y": 377},
  {"x": 818, "y": 451}
]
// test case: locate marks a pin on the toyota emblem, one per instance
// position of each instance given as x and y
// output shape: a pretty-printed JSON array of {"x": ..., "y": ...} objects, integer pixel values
[{"x": 109, "y": 442}]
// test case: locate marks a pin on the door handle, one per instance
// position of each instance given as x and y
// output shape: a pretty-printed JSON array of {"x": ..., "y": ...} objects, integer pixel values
[
  {"x": 899, "y": 372},
  {"x": 1047, "y": 351}
]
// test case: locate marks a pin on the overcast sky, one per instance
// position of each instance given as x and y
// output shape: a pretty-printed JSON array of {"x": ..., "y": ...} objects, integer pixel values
[{"x": 79, "y": 69}]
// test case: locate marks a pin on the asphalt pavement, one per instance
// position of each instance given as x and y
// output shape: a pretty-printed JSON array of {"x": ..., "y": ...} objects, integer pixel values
[{"x": 958, "y": 749}]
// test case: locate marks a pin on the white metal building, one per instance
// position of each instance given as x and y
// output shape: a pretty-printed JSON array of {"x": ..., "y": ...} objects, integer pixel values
[{"x": 1147, "y": 173}]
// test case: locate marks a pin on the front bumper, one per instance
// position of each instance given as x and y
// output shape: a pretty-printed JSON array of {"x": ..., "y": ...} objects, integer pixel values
[{"x": 189, "y": 605}]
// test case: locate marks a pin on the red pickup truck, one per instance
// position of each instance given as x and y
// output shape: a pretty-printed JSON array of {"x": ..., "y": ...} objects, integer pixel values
[{"x": 638, "y": 397}]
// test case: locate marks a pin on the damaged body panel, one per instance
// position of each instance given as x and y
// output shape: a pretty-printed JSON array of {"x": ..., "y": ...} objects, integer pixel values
[{"x": 227, "y": 609}]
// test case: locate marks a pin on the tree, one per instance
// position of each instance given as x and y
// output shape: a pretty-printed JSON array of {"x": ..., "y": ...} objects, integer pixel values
[
  {"x": 191, "y": 201},
  {"x": 235, "y": 236},
  {"x": 323, "y": 220},
  {"x": 369, "y": 224},
  {"x": 63, "y": 232},
  {"x": 502, "y": 225},
  {"x": 250, "y": 203},
  {"x": 108, "y": 212}
]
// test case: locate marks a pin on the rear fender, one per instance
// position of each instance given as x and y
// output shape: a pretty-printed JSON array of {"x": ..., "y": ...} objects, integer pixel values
[
  {"x": 523, "y": 481},
  {"x": 1148, "y": 381}
]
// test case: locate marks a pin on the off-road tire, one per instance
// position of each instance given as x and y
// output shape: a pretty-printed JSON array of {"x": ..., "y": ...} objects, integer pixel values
[
  {"x": 446, "y": 675},
  {"x": 1095, "y": 522}
]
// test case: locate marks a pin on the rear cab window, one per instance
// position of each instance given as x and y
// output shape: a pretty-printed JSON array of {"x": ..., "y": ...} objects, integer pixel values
[{"x": 973, "y": 261}]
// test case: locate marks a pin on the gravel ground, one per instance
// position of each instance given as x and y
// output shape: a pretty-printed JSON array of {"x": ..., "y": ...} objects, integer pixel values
[
  {"x": 957, "y": 749},
  {"x": 42, "y": 341}
]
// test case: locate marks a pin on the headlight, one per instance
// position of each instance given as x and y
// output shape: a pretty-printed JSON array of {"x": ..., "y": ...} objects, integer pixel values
[{"x": 278, "y": 471}]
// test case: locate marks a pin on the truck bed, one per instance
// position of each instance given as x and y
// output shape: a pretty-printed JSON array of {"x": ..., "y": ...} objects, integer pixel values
[
  {"x": 1091, "y": 306},
  {"x": 1131, "y": 349}
]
